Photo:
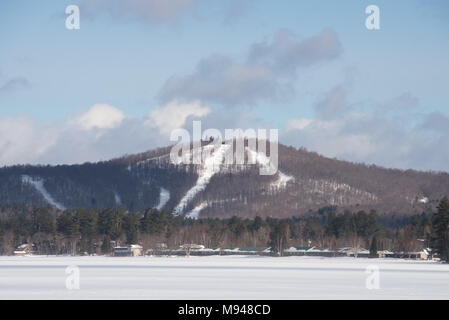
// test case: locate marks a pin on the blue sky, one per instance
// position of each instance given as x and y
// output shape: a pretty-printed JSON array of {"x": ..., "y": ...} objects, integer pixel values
[{"x": 137, "y": 58}]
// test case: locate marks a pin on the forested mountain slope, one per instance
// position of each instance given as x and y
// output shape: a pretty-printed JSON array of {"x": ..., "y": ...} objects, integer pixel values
[{"x": 305, "y": 181}]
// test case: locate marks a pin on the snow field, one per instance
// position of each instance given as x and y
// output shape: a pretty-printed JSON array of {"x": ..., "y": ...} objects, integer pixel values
[{"x": 221, "y": 277}]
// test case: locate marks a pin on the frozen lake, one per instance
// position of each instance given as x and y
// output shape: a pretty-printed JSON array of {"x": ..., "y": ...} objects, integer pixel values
[{"x": 221, "y": 277}]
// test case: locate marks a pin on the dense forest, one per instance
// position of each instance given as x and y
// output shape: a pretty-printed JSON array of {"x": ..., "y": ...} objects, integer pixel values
[{"x": 92, "y": 231}]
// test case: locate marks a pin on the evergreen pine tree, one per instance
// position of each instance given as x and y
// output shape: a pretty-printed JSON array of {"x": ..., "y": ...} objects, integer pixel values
[
  {"x": 1, "y": 237},
  {"x": 279, "y": 236},
  {"x": 373, "y": 248},
  {"x": 106, "y": 245},
  {"x": 440, "y": 234},
  {"x": 440, "y": 237}
]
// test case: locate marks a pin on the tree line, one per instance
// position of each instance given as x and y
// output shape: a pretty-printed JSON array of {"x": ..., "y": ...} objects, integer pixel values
[{"x": 93, "y": 231}]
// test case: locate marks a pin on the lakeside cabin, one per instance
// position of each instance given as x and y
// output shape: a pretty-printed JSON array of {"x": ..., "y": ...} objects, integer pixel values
[
  {"x": 132, "y": 250},
  {"x": 25, "y": 249}
]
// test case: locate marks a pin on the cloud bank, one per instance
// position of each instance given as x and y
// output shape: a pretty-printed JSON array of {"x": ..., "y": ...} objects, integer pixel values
[
  {"x": 264, "y": 74},
  {"x": 373, "y": 136},
  {"x": 100, "y": 133}
]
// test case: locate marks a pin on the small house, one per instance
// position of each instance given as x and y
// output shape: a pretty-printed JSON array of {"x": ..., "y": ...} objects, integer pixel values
[
  {"x": 132, "y": 250},
  {"x": 190, "y": 246},
  {"x": 418, "y": 255},
  {"x": 355, "y": 252}
]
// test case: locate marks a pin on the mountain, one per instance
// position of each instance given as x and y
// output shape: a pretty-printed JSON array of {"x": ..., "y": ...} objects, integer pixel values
[{"x": 305, "y": 181}]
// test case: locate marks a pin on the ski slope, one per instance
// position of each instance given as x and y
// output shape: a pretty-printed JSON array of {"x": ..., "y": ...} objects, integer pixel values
[
  {"x": 264, "y": 161},
  {"x": 164, "y": 196},
  {"x": 195, "y": 212},
  {"x": 211, "y": 165},
  {"x": 117, "y": 199},
  {"x": 38, "y": 184}
]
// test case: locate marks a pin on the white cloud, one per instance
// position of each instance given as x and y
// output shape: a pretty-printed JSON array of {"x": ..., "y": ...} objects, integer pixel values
[
  {"x": 297, "y": 124},
  {"x": 101, "y": 116},
  {"x": 21, "y": 141},
  {"x": 174, "y": 115}
]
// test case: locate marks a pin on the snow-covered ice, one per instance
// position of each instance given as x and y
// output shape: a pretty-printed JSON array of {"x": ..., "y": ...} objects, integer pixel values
[{"x": 221, "y": 277}]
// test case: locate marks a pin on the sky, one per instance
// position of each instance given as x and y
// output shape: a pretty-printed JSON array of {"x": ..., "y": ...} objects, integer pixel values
[{"x": 136, "y": 70}]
